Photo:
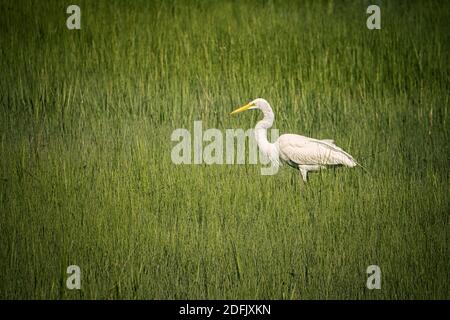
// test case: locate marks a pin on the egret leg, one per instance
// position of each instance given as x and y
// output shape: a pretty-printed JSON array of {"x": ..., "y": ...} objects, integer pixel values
[{"x": 304, "y": 174}]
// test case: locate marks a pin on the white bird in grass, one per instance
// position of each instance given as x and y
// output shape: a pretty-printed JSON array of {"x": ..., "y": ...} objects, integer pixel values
[{"x": 300, "y": 152}]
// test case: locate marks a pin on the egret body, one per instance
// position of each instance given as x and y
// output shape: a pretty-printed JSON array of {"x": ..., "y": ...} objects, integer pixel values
[{"x": 300, "y": 152}]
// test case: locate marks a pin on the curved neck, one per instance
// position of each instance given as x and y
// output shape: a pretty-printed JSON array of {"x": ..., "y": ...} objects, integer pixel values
[{"x": 261, "y": 130}]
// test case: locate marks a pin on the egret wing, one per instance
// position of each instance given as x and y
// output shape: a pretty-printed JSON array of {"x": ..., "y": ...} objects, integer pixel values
[{"x": 307, "y": 151}]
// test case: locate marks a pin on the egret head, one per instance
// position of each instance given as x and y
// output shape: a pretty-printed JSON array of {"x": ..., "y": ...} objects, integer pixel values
[{"x": 259, "y": 103}]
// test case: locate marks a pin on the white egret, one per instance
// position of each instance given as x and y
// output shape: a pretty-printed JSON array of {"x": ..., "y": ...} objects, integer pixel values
[{"x": 300, "y": 152}]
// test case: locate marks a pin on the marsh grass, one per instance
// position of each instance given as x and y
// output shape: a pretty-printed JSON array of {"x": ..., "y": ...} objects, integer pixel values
[{"x": 86, "y": 175}]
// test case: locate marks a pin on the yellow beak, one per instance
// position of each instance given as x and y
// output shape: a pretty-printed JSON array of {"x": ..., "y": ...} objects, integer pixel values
[{"x": 241, "y": 109}]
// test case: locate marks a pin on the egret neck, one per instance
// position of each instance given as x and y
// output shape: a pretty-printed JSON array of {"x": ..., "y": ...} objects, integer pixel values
[{"x": 267, "y": 148}]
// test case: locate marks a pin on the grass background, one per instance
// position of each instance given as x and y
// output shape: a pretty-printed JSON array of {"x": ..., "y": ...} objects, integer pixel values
[{"x": 86, "y": 175}]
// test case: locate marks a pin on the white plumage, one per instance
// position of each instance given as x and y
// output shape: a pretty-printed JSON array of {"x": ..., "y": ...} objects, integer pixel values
[{"x": 303, "y": 153}]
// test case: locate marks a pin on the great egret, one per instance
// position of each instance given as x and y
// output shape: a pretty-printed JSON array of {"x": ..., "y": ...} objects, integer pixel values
[{"x": 300, "y": 152}]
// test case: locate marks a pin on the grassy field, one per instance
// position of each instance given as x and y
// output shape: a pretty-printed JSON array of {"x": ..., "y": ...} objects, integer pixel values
[{"x": 87, "y": 177}]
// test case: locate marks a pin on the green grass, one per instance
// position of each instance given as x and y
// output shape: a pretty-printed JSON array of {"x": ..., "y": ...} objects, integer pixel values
[{"x": 87, "y": 179}]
